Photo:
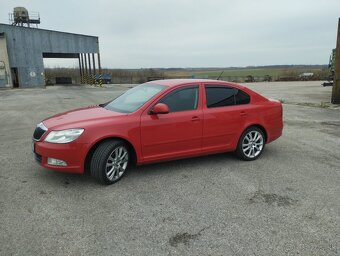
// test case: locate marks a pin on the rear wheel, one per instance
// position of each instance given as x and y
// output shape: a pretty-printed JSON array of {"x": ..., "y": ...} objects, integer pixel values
[
  {"x": 251, "y": 144},
  {"x": 110, "y": 161}
]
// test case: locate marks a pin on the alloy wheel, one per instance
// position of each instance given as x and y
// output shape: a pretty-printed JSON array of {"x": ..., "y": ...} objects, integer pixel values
[
  {"x": 252, "y": 144},
  {"x": 116, "y": 163}
]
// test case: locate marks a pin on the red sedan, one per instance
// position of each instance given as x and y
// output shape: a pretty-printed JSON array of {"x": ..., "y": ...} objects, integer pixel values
[{"x": 158, "y": 121}]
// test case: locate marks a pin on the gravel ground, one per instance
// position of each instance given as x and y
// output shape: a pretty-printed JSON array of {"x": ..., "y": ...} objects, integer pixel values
[{"x": 285, "y": 203}]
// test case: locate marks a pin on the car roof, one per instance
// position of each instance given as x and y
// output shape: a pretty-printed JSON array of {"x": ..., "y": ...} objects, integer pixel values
[{"x": 175, "y": 82}]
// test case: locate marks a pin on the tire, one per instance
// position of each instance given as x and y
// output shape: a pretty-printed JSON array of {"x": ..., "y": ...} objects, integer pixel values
[
  {"x": 251, "y": 144},
  {"x": 110, "y": 161}
]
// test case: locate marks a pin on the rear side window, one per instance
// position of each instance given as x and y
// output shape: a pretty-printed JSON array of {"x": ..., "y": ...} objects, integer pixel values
[
  {"x": 241, "y": 97},
  {"x": 218, "y": 96}
]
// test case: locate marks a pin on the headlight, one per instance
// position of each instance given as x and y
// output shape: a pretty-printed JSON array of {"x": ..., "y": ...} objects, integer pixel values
[{"x": 64, "y": 136}]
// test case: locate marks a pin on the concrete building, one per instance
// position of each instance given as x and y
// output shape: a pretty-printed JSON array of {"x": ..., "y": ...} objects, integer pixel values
[{"x": 22, "y": 50}]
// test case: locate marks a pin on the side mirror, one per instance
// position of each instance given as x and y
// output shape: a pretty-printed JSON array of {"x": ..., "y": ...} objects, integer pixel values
[{"x": 160, "y": 108}]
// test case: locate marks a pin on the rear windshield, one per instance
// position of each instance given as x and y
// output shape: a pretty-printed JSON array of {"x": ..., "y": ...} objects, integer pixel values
[{"x": 134, "y": 98}]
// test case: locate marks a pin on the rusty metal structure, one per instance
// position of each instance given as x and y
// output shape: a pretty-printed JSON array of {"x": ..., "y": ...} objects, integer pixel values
[{"x": 21, "y": 17}]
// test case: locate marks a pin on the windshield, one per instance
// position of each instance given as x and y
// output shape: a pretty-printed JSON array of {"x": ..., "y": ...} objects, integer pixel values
[{"x": 134, "y": 98}]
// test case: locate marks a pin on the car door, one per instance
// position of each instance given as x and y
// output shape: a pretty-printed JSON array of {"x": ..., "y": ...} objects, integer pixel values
[
  {"x": 223, "y": 119},
  {"x": 177, "y": 133}
]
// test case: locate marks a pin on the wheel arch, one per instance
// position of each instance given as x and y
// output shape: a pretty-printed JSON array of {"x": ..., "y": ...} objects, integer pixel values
[
  {"x": 89, "y": 154},
  {"x": 260, "y": 127}
]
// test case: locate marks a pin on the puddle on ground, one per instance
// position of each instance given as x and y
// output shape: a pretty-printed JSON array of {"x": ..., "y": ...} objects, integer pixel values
[
  {"x": 184, "y": 238},
  {"x": 271, "y": 199}
]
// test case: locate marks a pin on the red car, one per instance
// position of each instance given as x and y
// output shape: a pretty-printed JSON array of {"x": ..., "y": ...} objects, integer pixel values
[{"x": 157, "y": 121}]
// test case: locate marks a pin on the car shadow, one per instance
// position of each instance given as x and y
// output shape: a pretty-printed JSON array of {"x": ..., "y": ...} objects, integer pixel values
[
  {"x": 174, "y": 167},
  {"x": 184, "y": 164}
]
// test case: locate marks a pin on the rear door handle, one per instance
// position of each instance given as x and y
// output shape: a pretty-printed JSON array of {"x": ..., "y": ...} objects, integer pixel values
[{"x": 243, "y": 113}]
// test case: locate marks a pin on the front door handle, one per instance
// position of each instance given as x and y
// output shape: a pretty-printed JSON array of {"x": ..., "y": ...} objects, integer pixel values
[{"x": 195, "y": 118}]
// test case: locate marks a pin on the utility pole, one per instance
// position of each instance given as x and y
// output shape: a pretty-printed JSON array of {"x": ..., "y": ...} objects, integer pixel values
[{"x": 336, "y": 84}]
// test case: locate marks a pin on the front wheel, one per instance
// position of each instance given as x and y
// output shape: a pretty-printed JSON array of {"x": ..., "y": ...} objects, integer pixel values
[
  {"x": 110, "y": 161},
  {"x": 251, "y": 144}
]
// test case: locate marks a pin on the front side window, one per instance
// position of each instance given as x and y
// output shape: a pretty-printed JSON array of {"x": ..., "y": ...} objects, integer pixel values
[
  {"x": 182, "y": 99},
  {"x": 218, "y": 96},
  {"x": 134, "y": 98}
]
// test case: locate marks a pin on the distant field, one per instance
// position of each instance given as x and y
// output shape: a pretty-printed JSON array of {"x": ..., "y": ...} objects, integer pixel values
[
  {"x": 134, "y": 76},
  {"x": 243, "y": 72}
]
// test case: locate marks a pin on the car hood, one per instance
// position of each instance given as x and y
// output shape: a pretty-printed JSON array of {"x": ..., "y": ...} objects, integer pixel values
[{"x": 78, "y": 118}]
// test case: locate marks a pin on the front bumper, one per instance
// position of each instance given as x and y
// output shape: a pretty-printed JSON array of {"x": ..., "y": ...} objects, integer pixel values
[{"x": 73, "y": 154}]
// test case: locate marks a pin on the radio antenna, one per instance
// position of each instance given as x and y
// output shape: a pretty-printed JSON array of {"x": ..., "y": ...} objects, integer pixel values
[{"x": 218, "y": 78}]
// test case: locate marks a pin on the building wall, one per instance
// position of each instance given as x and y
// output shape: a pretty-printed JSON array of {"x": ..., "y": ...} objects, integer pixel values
[
  {"x": 5, "y": 74},
  {"x": 26, "y": 46}
]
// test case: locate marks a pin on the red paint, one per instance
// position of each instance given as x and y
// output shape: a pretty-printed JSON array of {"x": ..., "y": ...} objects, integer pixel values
[{"x": 161, "y": 137}]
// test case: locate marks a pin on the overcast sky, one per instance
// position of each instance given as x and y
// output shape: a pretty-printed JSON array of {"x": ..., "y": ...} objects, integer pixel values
[{"x": 195, "y": 33}]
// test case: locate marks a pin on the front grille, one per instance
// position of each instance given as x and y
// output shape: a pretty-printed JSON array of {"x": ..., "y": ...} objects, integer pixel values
[
  {"x": 39, "y": 131},
  {"x": 37, "y": 157}
]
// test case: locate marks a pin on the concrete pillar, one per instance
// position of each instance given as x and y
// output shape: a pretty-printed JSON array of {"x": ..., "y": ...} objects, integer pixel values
[
  {"x": 99, "y": 65},
  {"x": 86, "y": 70},
  {"x": 83, "y": 68},
  {"x": 89, "y": 59},
  {"x": 94, "y": 64},
  {"x": 80, "y": 67}
]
